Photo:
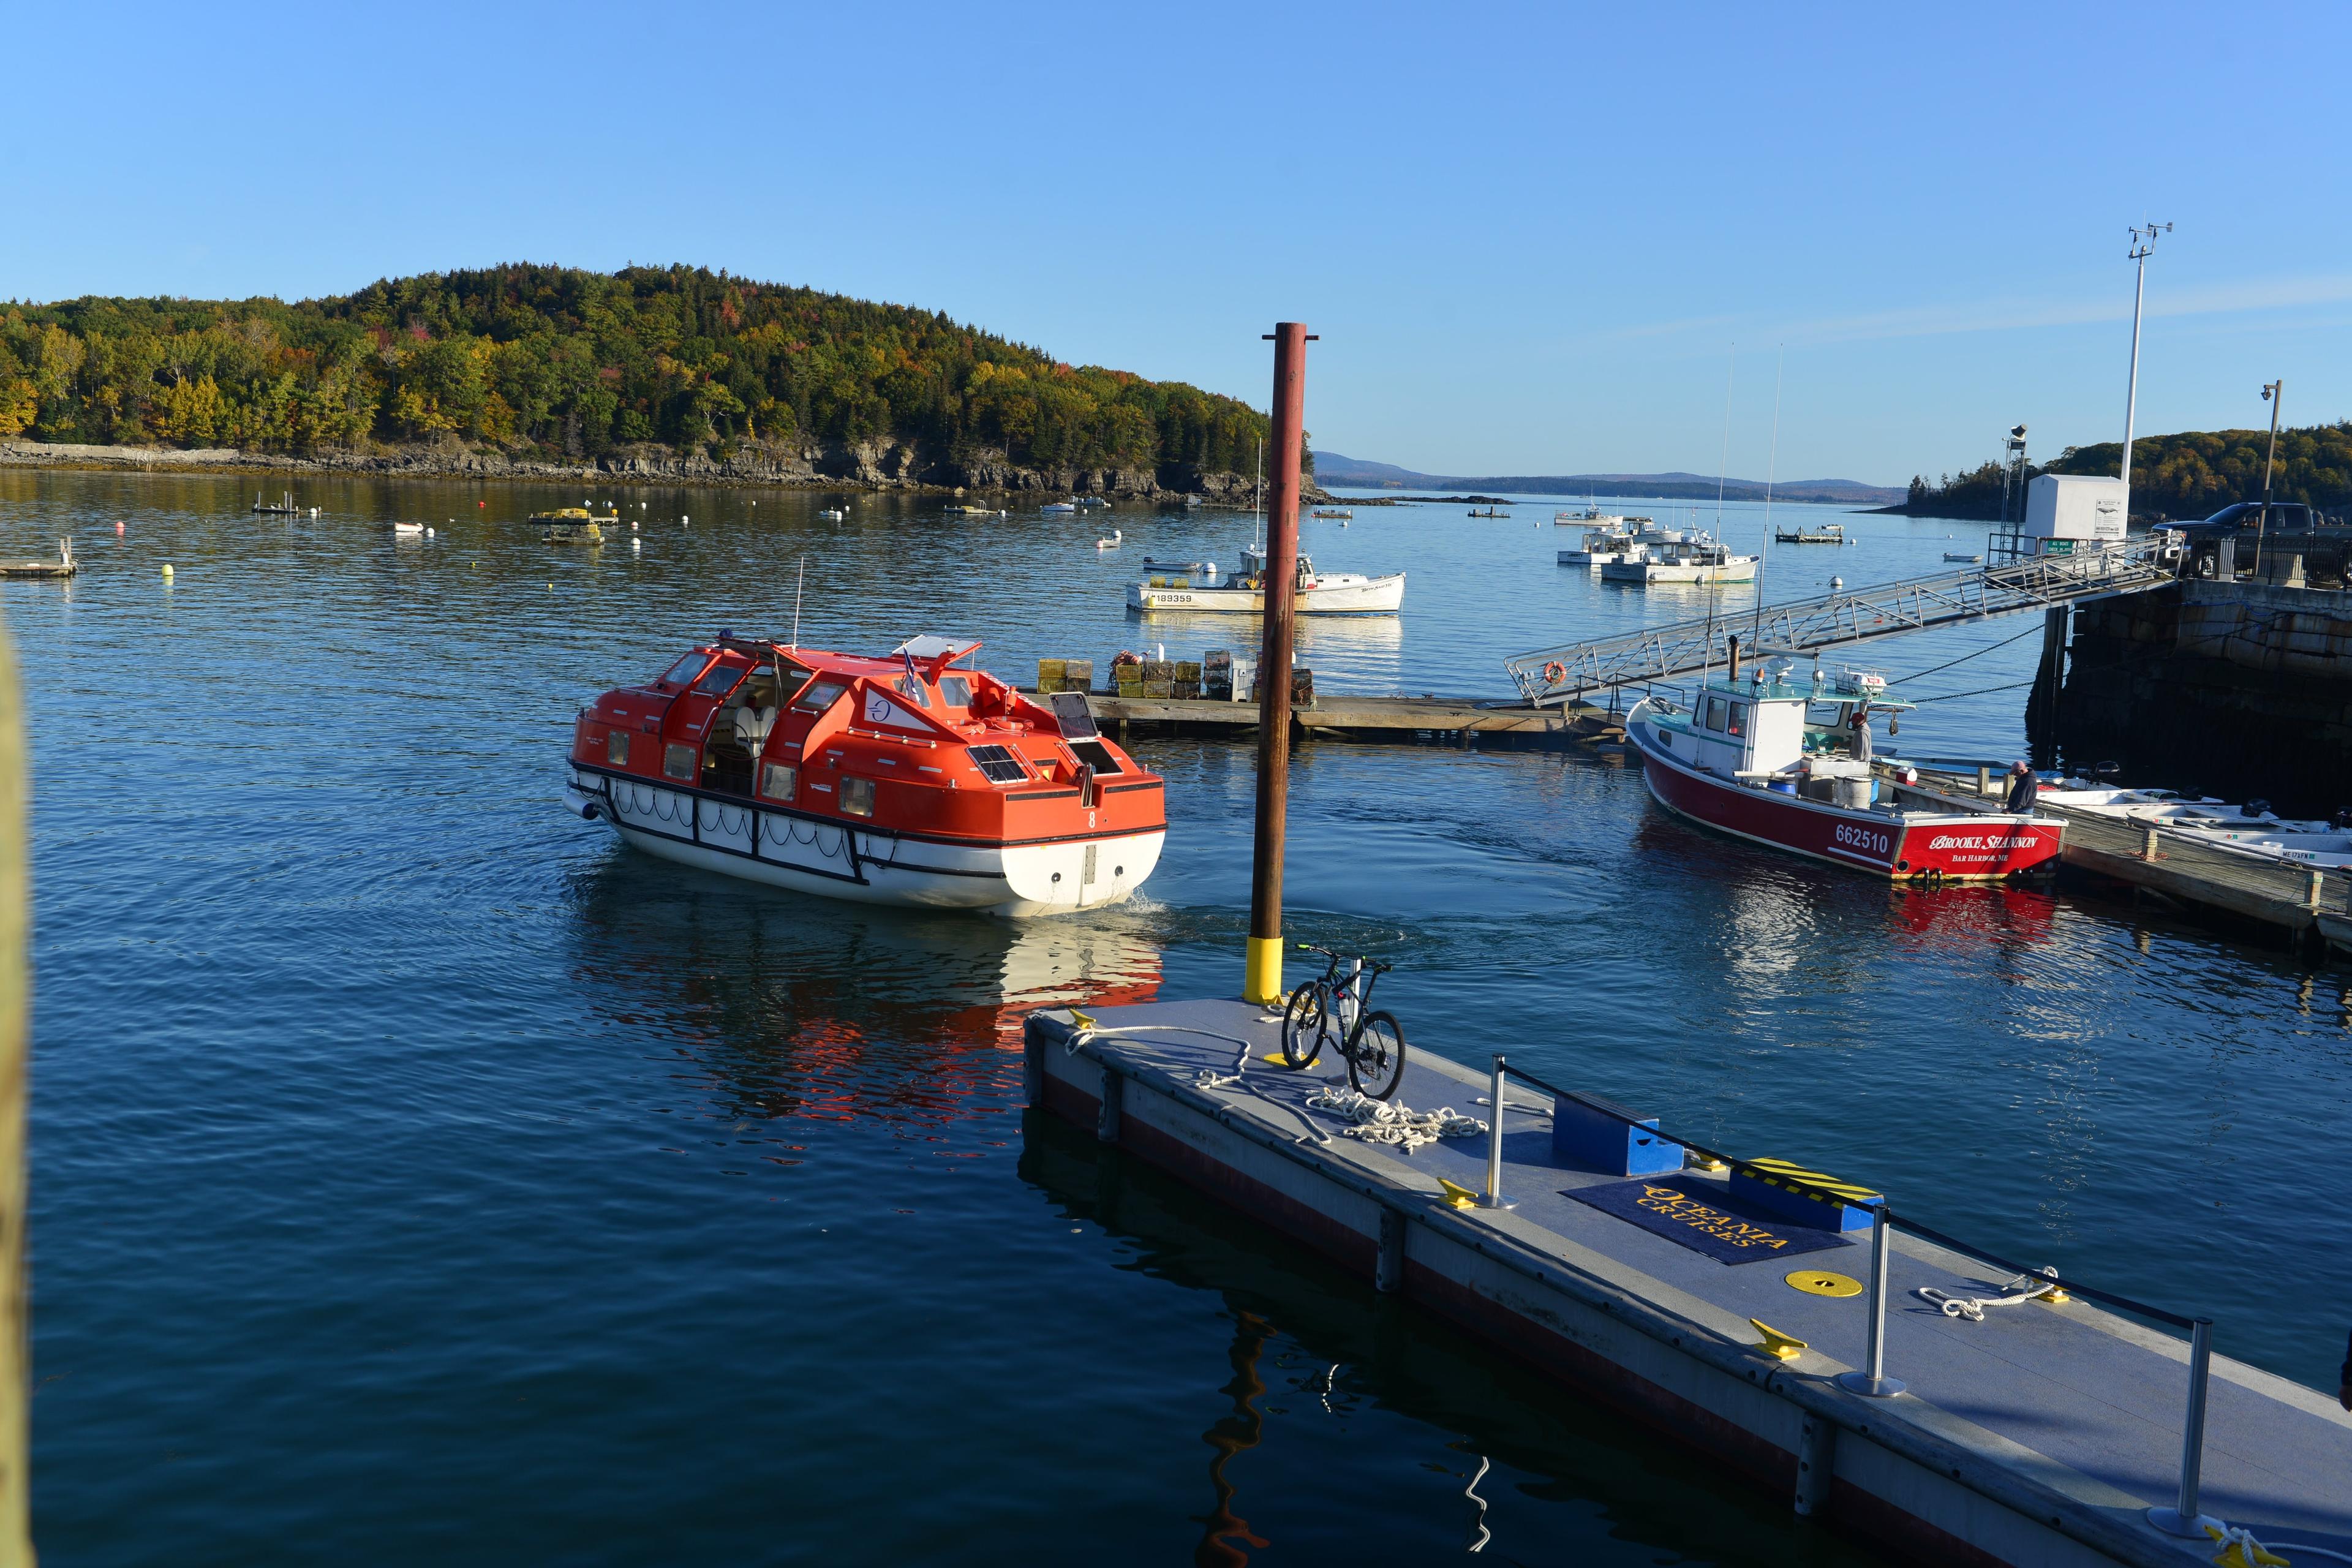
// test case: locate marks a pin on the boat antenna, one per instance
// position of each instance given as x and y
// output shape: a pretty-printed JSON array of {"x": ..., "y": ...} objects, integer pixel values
[
  {"x": 1771, "y": 471},
  {"x": 796, "y": 604},
  {"x": 1706, "y": 653}
]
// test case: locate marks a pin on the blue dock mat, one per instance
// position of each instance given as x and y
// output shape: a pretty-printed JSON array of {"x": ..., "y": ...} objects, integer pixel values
[{"x": 1696, "y": 1214}]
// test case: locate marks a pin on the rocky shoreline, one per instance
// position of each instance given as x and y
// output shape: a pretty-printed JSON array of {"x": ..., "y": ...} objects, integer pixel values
[{"x": 886, "y": 465}]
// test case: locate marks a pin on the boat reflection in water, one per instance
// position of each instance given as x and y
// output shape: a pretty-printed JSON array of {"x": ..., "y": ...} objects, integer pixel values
[{"x": 811, "y": 1009}]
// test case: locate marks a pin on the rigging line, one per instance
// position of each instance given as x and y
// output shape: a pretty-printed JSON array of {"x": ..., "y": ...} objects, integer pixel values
[
  {"x": 1947, "y": 664},
  {"x": 1771, "y": 471},
  {"x": 1982, "y": 691}
]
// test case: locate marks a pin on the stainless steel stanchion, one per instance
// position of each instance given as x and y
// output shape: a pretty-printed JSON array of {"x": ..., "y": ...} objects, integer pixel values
[
  {"x": 1872, "y": 1380},
  {"x": 1493, "y": 1197},
  {"x": 2183, "y": 1519}
]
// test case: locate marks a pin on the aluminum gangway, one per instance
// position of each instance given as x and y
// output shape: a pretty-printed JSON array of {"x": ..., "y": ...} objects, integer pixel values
[{"x": 2003, "y": 587}]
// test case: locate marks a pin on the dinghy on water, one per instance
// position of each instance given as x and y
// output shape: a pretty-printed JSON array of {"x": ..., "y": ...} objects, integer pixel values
[{"x": 1313, "y": 592}]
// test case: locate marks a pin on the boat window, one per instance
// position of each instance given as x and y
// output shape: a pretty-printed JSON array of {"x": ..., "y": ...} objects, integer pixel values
[
  {"x": 1738, "y": 719},
  {"x": 955, "y": 690},
  {"x": 915, "y": 689},
  {"x": 677, "y": 762},
  {"x": 720, "y": 678},
  {"x": 686, "y": 670},
  {"x": 857, "y": 796},
  {"x": 820, "y": 697},
  {"x": 998, "y": 764},
  {"x": 779, "y": 779},
  {"x": 616, "y": 747},
  {"x": 1714, "y": 715},
  {"x": 1095, "y": 755}
]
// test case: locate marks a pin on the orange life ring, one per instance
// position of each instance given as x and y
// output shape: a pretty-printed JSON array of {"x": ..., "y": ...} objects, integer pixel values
[{"x": 1554, "y": 673}]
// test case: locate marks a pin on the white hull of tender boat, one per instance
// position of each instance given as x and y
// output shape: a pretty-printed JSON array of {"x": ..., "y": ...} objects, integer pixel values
[
  {"x": 804, "y": 853},
  {"x": 1590, "y": 557},
  {"x": 1338, "y": 593},
  {"x": 1738, "y": 569}
]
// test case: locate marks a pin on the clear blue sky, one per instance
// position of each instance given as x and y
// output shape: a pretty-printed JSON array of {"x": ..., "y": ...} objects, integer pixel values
[{"x": 1528, "y": 236}]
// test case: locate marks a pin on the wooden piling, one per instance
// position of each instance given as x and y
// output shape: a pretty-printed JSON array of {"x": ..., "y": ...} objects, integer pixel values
[{"x": 1263, "y": 983}]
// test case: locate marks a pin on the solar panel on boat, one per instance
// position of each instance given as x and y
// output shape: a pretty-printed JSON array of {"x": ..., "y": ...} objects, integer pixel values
[{"x": 998, "y": 764}]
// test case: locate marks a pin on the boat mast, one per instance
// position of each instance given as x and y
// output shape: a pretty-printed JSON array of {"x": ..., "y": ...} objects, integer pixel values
[
  {"x": 1771, "y": 471},
  {"x": 797, "y": 587},
  {"x": 1707, "y": 655}
]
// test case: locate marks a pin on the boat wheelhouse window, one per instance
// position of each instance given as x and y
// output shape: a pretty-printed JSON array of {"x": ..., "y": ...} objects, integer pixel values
[
  {"x": 1738, "y": 719},
  {"x": 1095, "y": 755},
  {"x": 1714, "y": 714},
  {"x": 955, "y": 690},
  {"x": 998, "y": 764},
  {"x": 677, "y": 762},
  {"x": 616, "y": 747},
  {"x": 686, "y": 670},
  {"x": 779, "y": 779},
  {"x": 914, "y": 689},
  {"x": 857, "y": 796},
  {"x": 820, "y": 697},
  {"x": 720, "y": 678}
]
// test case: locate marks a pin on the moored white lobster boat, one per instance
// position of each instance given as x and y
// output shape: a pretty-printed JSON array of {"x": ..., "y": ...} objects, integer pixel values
[
  {"x": 1314, "y": 593},
  {"x": 1745, "y": 758},
  {"x": 895, "y": 780}
]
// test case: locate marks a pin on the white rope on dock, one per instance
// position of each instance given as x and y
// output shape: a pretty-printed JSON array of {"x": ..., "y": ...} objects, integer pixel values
[
  {"x": 1378, "y": 1121},
  {"x": 1972, "y": 1308}
]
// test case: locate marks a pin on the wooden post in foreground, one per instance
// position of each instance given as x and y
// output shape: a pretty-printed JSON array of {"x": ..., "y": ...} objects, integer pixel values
[
  {"x": 16, "y": 985},
  {"x": 1263, "y": 981}
]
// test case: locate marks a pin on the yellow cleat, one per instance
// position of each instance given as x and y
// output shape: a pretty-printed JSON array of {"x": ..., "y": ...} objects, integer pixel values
[
  {"x": 1080, "y": 1020},
  {"x": 2242, "y": 1551},
  {"x": 1461, "y": 1197},
  {"x": 1780, "y": 1346}
]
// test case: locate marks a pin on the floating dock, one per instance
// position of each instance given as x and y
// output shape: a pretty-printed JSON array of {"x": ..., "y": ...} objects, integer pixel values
[
  {"x": 1469, "y": 719},
  {"x": 2299, "y": 900},
  {"x": 65, "y": 566},
  {"x": 2040, "y": 1435}
]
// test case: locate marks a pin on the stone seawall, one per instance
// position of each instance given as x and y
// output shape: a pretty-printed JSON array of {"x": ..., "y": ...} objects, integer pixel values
[
  {"x": 2239, "y": 690},
  {"x": 881, "y": 465}
]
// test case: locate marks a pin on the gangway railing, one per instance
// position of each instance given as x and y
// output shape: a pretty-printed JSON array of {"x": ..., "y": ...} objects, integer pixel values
[{"x": 2007, "y": 585}]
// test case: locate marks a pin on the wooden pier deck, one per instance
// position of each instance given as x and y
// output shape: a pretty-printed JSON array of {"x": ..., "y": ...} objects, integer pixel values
[
  {"x": 1504, "y": 720},
  {"x": 2040, "y": 1435}
]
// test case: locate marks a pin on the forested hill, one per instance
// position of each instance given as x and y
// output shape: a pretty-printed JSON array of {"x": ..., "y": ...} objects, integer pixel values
[
  {"x": 554, "y": 363},
  {"x": 2191, "y": 475}
]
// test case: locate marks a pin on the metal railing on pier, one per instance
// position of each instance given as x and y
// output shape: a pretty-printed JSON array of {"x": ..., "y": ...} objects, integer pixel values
[{"x": 2005, "y": 586}]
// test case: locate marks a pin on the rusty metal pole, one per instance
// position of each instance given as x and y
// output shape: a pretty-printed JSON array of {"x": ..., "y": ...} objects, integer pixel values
[{"x": 1263, "y": 983}]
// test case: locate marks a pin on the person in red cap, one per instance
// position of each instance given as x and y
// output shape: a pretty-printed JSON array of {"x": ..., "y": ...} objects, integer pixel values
[{"x": 2022, "y": 789}]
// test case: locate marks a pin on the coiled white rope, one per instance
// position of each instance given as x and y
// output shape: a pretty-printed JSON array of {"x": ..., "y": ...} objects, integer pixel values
[
  {"x": 1972, "y": 1308},
  {"x": 1378, "y": 1121},
  {"x": 2252, "y": 1553}
]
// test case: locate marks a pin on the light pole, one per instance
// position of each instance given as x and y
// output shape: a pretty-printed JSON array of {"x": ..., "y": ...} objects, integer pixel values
[
  {"x": 2013, "y": 469},
  {"x": 2274, "y": 393},
  {"x": 2143, "y": 241}
]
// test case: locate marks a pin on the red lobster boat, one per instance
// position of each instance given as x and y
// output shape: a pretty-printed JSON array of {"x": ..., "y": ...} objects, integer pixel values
[
  {"x": 896, "y": 780},
  {"x": 1750, "y": 757}
]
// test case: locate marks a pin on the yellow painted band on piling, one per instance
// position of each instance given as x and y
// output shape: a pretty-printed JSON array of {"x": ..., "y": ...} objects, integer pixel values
[{"x": 1263, "y": 985}]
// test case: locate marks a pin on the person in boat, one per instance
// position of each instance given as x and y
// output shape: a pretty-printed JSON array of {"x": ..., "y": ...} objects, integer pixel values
[
  {"x": 2023, "y": 788},
  {"x": 1862, "y": 732}
]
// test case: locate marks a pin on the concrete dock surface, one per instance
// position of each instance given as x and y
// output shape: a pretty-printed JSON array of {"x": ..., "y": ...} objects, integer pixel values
[{"x": 2041, "y": 1434}]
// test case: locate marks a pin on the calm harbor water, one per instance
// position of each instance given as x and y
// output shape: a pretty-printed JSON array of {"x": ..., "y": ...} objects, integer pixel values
[{"x": 419, "y": 1174}]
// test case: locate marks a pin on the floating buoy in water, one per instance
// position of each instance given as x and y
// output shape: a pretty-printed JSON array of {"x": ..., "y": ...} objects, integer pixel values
[
  {"x": 481, "y": 503},
  {"x": 167, "y": 571},
  {"x": 118, "y": 528},
  {"x": 428, "y": 533},
  {"x": 633, "y": 525},
  {"x": 636, "y": 544},
  {"x": 1837, "y": 581},
  {"x": 683, "y": 519}
]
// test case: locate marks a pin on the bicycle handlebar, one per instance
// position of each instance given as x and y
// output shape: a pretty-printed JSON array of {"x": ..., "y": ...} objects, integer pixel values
[{"x": 1374, "y": 964}]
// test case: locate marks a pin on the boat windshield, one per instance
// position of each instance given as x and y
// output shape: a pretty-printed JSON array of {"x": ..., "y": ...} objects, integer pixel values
[
  {"x": 955, "y": 690},
  {"x": 719, "y": 678},
  {"x": 686, "y": 670},
  {"x": 820, "y": 697}
]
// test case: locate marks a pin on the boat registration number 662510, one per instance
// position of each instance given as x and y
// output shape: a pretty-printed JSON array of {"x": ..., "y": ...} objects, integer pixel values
[{"x": 1861, "y": 839}]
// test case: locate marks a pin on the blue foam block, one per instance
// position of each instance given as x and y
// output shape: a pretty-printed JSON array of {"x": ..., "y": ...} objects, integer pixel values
[{"x": 1595, "y": 1134}]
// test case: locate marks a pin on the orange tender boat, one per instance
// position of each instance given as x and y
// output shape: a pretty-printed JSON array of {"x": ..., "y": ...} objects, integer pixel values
[{"x": 902, "y": 779}]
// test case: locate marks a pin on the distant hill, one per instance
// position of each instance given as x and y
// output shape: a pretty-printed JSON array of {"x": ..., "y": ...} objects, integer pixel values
[
  {"x": 645, "y": 367},
  {"x": 2191, "y": 474},
  {"x": 1333, "y": 468}
]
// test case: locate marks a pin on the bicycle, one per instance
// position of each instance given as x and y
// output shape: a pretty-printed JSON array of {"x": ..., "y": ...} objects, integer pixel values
[{"x": 1330, "y": 1010}]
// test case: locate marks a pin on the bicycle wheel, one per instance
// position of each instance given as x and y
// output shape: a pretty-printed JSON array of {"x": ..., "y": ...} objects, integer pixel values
[
  {"x": 1376, "y": 1058},
  {"x": 1306, "y": 1025}
]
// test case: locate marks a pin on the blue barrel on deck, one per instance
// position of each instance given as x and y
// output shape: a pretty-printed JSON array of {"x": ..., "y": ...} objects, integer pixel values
[{"x": 1596, "y": 1134}]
